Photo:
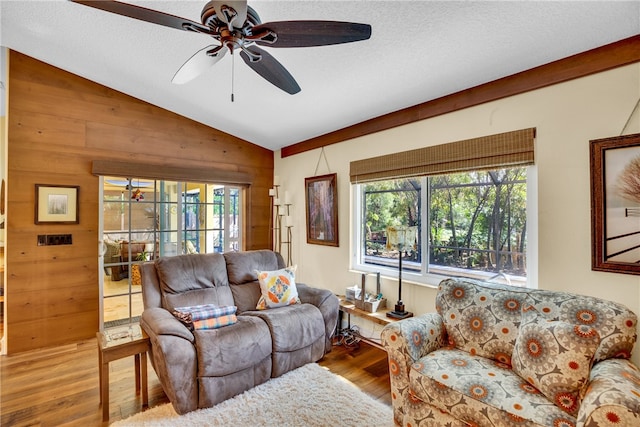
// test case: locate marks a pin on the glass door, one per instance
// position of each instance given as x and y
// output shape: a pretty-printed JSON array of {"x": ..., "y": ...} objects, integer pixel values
[
  {"x": 145, "y": 219},
  {"x": 129, "y": 237}
]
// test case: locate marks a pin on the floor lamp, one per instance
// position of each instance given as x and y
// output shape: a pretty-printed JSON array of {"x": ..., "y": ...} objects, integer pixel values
[{"x": 401, "y": 237}]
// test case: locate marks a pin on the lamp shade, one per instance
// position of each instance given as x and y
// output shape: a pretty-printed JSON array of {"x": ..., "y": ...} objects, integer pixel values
[{"x": 402, "y": 236}]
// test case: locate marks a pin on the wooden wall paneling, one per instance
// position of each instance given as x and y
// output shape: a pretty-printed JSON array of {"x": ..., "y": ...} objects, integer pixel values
[
  {"x": 133, "y": 140},
  {"x": 118, "y": 110},
  {"x": 24, "y": 190},
  {"x": 66, "y": 160},
  {"x": 46, "y": 330},
  {"x": 47, "y": 129},
  {"x": 118, "y": 135},
  {"x": 40, "y": 162},
  {"x": 46, "y": 274},
  {"x": 27, "y": 252},
  {"x": 31, "y": 70},
  {"x": 54, "y": 301},
  {"x": 59, "y": 124}
]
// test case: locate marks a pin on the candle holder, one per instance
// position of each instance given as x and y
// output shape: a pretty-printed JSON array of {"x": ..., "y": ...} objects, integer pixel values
[{"x": 280, "y": 208}]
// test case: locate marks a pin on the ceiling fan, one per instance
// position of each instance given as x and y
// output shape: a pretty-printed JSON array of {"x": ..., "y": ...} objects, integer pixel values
[{"x": 237, "y": 27}]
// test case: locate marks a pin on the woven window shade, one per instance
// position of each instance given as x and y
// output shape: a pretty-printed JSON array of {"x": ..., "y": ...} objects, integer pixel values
[
  {"x": 175, "y": 173},
  {"x": 509, "y": 149}
]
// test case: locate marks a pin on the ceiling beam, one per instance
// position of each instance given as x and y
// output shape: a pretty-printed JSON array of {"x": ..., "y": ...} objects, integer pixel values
[{"x": 607, "y": 57}]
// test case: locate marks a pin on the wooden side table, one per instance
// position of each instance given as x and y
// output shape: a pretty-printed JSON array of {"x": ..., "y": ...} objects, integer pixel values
[
  {"x": 379, "y": 317},
  {"x": 116, "y": 343}
]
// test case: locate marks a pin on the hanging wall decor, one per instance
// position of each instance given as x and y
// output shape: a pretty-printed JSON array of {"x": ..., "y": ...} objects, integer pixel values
[
  {"x": 56, "y": 204},
  {"x": 615, "y": 204},
  {"x": 321, "y": 197}
]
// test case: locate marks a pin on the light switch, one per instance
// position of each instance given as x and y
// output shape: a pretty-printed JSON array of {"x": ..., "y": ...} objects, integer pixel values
[{"x": 54, "y": 239}]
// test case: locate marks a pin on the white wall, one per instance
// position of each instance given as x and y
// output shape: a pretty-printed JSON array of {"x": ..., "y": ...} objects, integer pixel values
[{"x": 566, "y": 116}]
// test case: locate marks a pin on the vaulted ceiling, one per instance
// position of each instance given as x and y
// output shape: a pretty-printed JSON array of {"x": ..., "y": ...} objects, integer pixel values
[{"x": 418, "y": 51}]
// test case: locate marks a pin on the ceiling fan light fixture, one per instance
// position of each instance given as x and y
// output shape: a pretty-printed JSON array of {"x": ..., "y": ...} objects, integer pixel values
[{"x": 237, "y": 26}]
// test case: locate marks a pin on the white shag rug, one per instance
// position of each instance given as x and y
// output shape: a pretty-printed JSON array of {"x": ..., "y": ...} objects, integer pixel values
[{"x": 310, "y": 396}]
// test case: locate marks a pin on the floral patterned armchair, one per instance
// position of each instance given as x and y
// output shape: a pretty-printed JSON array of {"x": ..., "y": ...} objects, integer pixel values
[{"x": 497, "y": 355}]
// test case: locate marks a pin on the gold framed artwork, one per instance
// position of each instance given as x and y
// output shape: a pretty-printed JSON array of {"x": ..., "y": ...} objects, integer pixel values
[
  {"x": 56, "y": 204},
  {"x": 321, "y": 200},
  {"x": 615, "y": 204}
]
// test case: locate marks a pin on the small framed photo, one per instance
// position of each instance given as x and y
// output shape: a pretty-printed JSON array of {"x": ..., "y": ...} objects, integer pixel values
[
  {"x": 57, "y": 204},
  {"x": 321, "y": 199},
  {"x": 615, "y": 204}
]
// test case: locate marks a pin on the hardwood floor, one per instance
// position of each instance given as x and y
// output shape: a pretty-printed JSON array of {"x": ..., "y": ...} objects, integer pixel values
[
  {"x": 60, "y": 386},
  {"x": 365, "y": 366}
]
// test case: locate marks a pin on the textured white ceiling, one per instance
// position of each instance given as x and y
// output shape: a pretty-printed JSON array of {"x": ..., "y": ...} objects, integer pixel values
[{"x": 418, "y": 51}]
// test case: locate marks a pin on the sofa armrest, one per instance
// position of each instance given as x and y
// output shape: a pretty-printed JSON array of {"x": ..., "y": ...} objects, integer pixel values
[
  {"x": 158, "y": 321},
  {"x": 174, "y": 358},
  {"x": 415, "y": 337},
  {"x": 612, "y": 396},
  {"x": 406, "y": 341},
  {"x": 327, "y": 303}
]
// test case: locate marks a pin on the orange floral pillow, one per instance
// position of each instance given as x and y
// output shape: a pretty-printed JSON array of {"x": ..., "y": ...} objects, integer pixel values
[{"x": 278, "y": 288}]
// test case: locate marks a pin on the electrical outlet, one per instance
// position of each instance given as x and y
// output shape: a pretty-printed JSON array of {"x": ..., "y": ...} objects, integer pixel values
[{"x": 54, "y": 239}]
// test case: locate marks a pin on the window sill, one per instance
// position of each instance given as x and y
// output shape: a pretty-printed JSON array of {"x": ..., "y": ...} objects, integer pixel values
[{"x": 439, "y": 273}]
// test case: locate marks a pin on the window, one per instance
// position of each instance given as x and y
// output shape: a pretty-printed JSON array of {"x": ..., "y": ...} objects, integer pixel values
[
  {"x": 476, "y": 224},
  {"x": 468, "y": 203},
  {"x": 143, "y": 219}
]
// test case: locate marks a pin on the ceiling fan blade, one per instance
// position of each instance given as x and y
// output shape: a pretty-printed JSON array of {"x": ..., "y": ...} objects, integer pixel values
[
  {"x": 148, "y": 15},
  {"x": 270, "y": 69},
  {"x": 235, "y": 20},
  {"x": 311, "y": 33},
  {"x": 201, "y": 61}
]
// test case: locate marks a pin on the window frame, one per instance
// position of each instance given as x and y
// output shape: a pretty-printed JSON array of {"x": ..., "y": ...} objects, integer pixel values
[{"x": 431, "y": 275}]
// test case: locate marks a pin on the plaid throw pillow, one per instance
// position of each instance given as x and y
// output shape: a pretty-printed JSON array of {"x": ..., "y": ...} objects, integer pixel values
[
  {"x": 206, "y": 316},
  {"x": 205, "y": 311},
  {"x": 215, "y": 322}
]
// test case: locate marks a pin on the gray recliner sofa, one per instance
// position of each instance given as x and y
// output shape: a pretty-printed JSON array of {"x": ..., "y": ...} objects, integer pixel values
[{"x": 200, "y": 368}]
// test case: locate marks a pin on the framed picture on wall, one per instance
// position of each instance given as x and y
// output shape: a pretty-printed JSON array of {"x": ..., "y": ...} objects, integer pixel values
[
  {"x": 321, "y": 199},
  {"x": 57, "y": 204},
  {"x": 615, "y": 204}
]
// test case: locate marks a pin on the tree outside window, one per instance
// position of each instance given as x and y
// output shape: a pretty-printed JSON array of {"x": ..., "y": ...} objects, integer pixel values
[{"x": 476, "y": 221}]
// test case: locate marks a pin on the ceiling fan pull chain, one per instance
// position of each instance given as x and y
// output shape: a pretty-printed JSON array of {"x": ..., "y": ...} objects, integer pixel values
[{"x": 233, "y": 72}]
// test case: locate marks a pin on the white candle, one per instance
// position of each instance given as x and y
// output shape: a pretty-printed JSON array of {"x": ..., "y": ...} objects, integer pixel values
[
  {"x": 287, "y": 198},
  {"x": 276, "y": 180},
  {"x": 276, "y": 202},
  {"x": 272, "y": 192},
  {"x": 288, "y": 221}
]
